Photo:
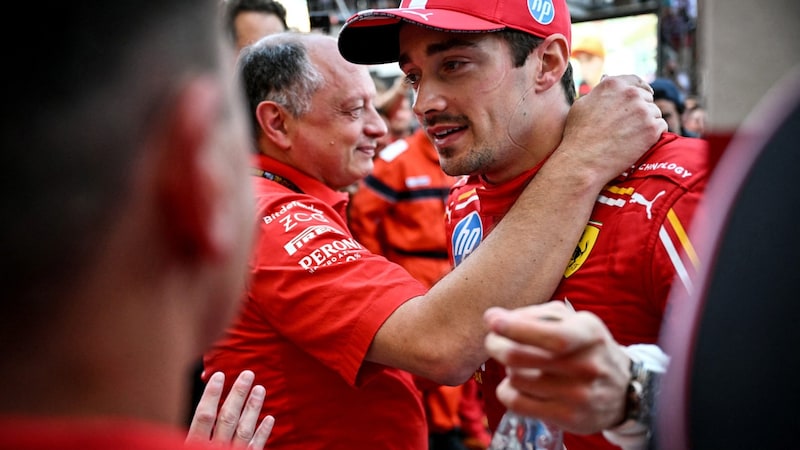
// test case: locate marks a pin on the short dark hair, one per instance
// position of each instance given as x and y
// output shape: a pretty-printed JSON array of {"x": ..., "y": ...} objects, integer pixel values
[
  {"x": 234, "y": 7},
  {"x": 522, "y": 44},
  {"x": 666, "y": 89},
  {"x": 73, "y": 126}
]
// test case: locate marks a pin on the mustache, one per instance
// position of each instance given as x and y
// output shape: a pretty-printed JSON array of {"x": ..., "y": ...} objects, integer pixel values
[{"x": 432, "y": 120}]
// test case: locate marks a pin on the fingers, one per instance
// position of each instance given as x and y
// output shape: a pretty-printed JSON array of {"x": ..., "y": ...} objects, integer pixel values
[
  {"x": 561, "y": 366},
  {"x": 235, "y": 424},
  {"x": 644, "y": 91},
  {"x": 242, "y": 416},
  {"x": 552, "y": 327},
  {"x": 633, "y": 80},
  {"x": 246, "y": 429},
  {"x": 229, "y": 415},
  {"x": 262, "y": 434},
  {"x": 205, "y": 414},
  {"x": 511, "y": 353},
  {"x": 622, "y": 107}
]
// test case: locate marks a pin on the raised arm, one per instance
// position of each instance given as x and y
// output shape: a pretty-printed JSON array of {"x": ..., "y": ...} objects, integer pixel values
[{"x": 523, "y": 259}]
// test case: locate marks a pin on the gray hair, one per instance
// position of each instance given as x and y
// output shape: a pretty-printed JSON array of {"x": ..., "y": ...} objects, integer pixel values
[{"x": 278, "y": 68}]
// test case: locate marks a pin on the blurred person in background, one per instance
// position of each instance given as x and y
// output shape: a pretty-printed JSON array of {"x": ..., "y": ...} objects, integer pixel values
[
  {"x": 694, "y": 120},
  {"x": 125, "y": 239},
  {"x": 670, "y": 100},
  {"x": 249, "y": 20},
  {"x": 394, "y": 103},
  {"x": 590, "y": 53}
]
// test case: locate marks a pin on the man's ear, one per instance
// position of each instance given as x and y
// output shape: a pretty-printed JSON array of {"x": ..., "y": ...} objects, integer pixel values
[
  {"x": 272, "y": 118},
  {"x": 188, "y": 183},
  {"x": 553, "y": 61}
]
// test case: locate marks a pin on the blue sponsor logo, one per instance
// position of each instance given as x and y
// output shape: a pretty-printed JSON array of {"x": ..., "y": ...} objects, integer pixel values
[
  {"x": 542, "y": 11},
  {"x": 467, "y": 234}
]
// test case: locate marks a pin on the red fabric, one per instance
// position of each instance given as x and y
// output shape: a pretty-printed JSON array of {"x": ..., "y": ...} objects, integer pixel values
[
  {"x": 473, "y": 417},
  {"x": 37, "y": 433},
  {"x": 398, "y": 210},
  {"x": 314, "y": 302},
  {"x": 441, "y": 407},
  {"x": 622, "y": 269}
]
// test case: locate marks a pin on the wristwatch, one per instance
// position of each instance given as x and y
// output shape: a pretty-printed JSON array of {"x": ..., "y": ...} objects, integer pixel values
[{"x": 642, "y": 390}]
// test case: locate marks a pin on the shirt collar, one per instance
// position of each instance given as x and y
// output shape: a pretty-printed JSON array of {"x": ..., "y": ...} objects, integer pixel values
[{"x": 308, "y": 185}]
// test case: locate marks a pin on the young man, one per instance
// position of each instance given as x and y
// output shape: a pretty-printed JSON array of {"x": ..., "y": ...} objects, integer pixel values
[
  {"x": 512, "y": 58},
  {"x": 328, "y": 325},
  {"x": 125, "y": 230}
]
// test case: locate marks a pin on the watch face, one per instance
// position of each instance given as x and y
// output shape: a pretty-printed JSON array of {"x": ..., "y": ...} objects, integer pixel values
[
  {"x": 642, "y": 392},
  {"x": 633, "y": 399}
]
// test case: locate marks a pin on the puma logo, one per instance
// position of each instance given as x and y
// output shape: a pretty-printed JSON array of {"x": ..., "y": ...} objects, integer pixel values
[
  {"x": 639, "y": 199},
  {"x": 423, "y": 15}
]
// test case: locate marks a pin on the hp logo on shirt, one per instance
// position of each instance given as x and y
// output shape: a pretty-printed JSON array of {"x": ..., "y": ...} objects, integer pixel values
[{"x": 467, "y": 234}]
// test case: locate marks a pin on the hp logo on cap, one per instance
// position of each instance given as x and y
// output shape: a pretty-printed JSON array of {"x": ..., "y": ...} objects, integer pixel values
[{"x": 542, "y": 11}]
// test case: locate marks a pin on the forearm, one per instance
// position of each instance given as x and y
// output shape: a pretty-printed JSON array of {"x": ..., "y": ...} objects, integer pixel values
[
  {"x": 523, "y": 259},
  {"x": 520, "y": 263},
  {"x": 441, "y": 334}
]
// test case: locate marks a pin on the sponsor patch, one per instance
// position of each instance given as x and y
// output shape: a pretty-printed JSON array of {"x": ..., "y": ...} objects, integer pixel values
[
  {"x": 467, "y": 234},
  {"x": 640, "y": 199},
  {"x": 297, "y": 212},
  {"x": 332, "y": 252},
  {"x": 666, "y": 167},
  {"x": 584, "y": 247},
  {"x": 307, "y": 235},
  {"x": 542, "y": 11}
]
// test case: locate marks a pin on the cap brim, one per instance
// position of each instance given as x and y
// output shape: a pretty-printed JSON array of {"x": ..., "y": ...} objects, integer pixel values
[{"x": 372, "y": 36}]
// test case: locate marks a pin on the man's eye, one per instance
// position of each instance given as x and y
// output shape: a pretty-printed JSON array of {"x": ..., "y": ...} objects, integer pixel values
[
  {"x": 452, "y": 65},
  {"x": 412, "y": 79}
]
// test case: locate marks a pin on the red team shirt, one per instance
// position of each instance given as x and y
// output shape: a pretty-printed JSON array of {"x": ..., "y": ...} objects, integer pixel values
[
  {"x": 631, "y": 250},
  {"x": 314, "y": 302}
]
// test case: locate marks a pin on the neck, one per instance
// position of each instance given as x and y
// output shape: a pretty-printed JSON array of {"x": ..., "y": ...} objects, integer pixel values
[
  {"x": 532, "y": 141},
  {"x": 118, "y": 361}
]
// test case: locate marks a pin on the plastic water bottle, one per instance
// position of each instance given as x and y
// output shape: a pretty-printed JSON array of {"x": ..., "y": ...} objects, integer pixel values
[{"x": 517, "y": 432}]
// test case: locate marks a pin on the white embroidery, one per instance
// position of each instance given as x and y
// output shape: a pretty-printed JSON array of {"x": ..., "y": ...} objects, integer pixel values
[{"x": 648, "y": 204}]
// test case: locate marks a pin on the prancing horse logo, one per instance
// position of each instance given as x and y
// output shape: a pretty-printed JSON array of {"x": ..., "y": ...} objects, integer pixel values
[{"x": 584, "y": 247}]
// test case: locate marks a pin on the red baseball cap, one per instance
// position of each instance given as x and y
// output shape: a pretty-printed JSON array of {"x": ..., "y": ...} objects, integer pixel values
[{"x": 371, "y": 36}]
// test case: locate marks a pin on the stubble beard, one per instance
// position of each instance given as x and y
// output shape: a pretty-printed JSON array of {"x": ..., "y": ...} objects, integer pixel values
[{"x": 473, "y": 162}]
